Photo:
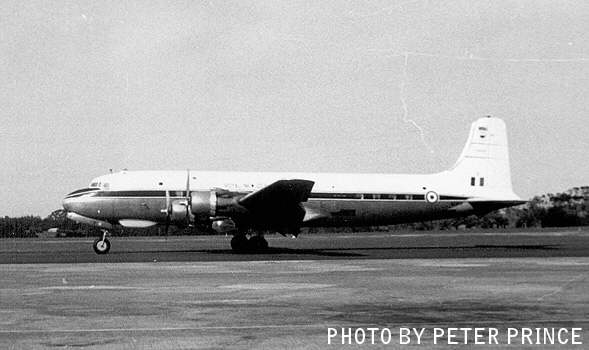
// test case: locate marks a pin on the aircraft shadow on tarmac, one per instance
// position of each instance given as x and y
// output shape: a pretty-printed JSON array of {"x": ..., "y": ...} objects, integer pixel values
[
  {"x": 354, "y": 252},
  {"x": 348, "y": 251},
  {"x": 269, "y": 251}
]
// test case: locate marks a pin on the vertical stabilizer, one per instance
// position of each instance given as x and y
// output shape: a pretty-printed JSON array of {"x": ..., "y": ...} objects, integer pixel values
[{"x": 483, "y": 166}]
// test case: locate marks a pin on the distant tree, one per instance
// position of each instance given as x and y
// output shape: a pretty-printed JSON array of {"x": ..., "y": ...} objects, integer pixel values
[
  {"x": 559, "y": 217},
  {"x": 529, "y": 215}
]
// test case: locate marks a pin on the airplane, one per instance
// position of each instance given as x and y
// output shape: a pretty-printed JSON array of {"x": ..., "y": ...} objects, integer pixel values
[{"x": 247, "y": 204}]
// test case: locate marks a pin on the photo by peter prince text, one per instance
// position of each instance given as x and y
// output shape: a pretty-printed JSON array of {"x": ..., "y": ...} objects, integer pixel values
[{"x": 455, "y": 336}]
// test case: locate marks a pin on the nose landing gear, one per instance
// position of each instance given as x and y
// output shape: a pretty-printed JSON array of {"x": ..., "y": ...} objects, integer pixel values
[{"x": 102, "y": 245}]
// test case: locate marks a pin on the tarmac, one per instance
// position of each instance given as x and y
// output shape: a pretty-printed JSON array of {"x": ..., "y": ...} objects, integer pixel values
[{"x": 194, "y": 293}]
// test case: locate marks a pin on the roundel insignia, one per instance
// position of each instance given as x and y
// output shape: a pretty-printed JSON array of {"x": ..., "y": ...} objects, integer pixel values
[{"x": 431, "y": 197}]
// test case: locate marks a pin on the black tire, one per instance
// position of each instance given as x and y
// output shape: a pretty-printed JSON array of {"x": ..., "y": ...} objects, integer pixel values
[
  {"x": 100, "y": 246},
  {"x": 239, "y": 243},
  {"x": 258, "y": 243}
]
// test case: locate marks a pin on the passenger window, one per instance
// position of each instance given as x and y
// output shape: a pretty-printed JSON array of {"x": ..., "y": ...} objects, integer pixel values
[
  {"x": 472, "y": 181},
  {"x": 482, "y": 182}
]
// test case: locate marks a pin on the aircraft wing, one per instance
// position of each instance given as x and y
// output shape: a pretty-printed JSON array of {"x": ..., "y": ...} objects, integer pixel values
[
  {"x": 282, "y": 193},
  {"x": 279, "y": 205}
]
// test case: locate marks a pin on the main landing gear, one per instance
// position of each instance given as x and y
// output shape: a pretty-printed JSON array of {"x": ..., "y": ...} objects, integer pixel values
[
  {"x": 241, "y": 244},
  {"x": 102, "y": 245}
]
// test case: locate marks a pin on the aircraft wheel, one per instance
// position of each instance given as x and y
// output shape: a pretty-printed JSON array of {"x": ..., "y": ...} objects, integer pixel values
[
  {"x": 258, "y": 243},
  {"x": 239, "y": 243},
  {"x": 101, "y": 246}
]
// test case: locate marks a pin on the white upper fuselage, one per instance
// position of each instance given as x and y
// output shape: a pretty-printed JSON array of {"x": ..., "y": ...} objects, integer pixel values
[{"x": 441, "y": 183}]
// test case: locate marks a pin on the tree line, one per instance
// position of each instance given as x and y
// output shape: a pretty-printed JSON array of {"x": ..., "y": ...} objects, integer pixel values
[{"x": 564, "y": 209}]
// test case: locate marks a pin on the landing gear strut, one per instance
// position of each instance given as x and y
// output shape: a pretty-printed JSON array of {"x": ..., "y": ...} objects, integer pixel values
[
  {"x": 102, "y": 245},
  {"x": 241, "y": 244}
]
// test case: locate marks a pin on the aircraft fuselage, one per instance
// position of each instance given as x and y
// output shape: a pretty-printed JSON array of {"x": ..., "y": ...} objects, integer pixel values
[{"x": 479, "y": 182}]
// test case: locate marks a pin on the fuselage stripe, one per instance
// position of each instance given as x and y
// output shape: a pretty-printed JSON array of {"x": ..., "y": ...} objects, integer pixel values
[{"x": 312, "y": 196}]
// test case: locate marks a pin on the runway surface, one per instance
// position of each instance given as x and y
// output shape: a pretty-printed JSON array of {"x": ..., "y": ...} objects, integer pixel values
[
  {"x": 444, "y": 244},
  {"x": 193, "y": 293}
]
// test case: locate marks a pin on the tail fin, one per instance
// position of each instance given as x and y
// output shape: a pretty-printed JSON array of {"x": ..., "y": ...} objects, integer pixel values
[{"x": 483, "y": 165}]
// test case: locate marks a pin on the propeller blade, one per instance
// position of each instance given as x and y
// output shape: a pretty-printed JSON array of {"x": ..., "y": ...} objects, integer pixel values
[
  {"x": 168, "y": 214},
  {"x": 187, "y": 182},
  {"x": 167, "y": 228},
  {"x": 188, "y": 198}
]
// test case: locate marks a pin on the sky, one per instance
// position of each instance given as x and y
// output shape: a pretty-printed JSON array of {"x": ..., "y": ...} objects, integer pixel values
[{"x": 310, "y": 86}]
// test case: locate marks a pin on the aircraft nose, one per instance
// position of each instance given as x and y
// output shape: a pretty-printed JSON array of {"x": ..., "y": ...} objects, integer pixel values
[
  {"x": 75, "y": 201},
  {"x": 74, "y": 204},
  {"x": 67, "y": 204},
  {"x": 82, "y": 202}
]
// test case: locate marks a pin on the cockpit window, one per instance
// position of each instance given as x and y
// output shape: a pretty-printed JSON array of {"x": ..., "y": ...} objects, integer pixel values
[{"x": 94, "y": 184}]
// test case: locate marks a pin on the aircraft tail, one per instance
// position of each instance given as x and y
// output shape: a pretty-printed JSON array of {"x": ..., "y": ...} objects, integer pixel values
[{"x": 483, "y": 166}]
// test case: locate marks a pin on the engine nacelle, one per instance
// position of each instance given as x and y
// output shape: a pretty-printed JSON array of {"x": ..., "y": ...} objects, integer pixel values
[
  {"x": 204, "y": 204},
  {"x": 210, "y": 204},
  {"x": 224, "y": 226},
  {"x": 179, "y": 212}
]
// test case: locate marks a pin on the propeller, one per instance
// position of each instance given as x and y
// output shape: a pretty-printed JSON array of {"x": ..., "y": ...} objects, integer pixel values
[
  {"x": 188, "y": 198},
  {"x": 168, "y": 214},
  {"x": 186, "y": 203}
]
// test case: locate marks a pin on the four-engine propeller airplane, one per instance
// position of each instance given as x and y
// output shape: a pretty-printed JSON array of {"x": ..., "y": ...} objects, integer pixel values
[{"x": 249, "y": 203}]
